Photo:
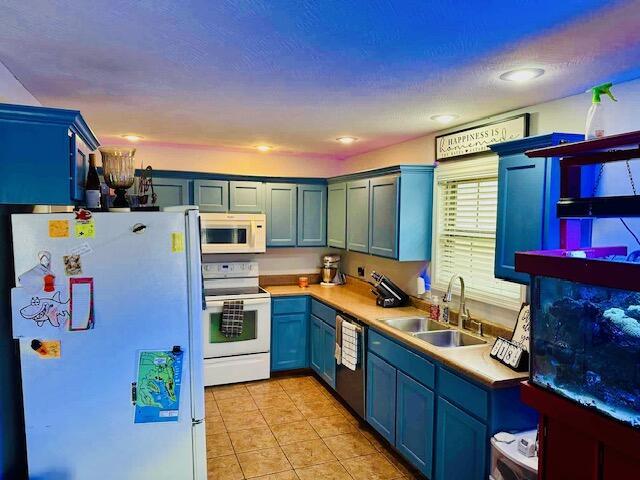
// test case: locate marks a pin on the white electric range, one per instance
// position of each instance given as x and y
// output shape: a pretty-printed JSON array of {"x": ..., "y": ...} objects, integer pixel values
[{"x": 246, "y": 357}]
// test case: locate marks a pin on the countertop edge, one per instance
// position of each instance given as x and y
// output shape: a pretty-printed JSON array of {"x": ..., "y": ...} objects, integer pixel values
[{"x": 407, "y": 340}]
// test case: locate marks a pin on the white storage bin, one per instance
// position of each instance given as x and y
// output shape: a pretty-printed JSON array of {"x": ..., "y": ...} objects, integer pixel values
[{"x": 509, "y": 464}]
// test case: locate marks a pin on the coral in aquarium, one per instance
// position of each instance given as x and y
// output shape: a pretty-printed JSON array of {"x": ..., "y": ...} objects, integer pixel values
[{"x": 586, "y": 346}]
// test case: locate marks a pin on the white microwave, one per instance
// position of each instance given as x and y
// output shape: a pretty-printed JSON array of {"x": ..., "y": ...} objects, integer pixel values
[{"x": 233, "y": 232}]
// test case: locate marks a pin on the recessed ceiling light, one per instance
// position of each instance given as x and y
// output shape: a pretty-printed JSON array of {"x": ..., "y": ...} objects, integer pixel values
[
  {"x": 264, "y": 148},
  {"x": 131, "y": 137},
  {"x": 346, "y": 140},
  {"x": 522, "y": 74},
  {"x": 444, "y": 118}
]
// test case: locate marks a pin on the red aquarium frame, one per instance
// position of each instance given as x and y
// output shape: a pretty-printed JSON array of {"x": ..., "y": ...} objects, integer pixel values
[{"x": 592, "y": 270}]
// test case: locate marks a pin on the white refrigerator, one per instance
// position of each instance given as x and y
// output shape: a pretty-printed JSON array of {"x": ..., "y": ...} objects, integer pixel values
[{"x": 107, "y": 311}]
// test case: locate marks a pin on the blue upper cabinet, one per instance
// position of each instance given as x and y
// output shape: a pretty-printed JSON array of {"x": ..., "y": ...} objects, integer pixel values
[
  {"x": 280, "y": 202},
  {"x": 337, "y": 215},
  {"x": 211, "y": 195},
  {"x": 389, "y": 212},
  {"x": 172, "y": 191},
  {"x": 528, "y": 190},
  {"x": 44, "y": 155},
  {"x": 312, "y": 215},
  {"x": 383, "y": 216},
  {"x": 358, "y": 216},
  {"x": 246, "y": 197}
]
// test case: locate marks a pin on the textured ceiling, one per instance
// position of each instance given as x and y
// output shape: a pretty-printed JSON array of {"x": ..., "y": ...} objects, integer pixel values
[{"x": 297, "y": 74}]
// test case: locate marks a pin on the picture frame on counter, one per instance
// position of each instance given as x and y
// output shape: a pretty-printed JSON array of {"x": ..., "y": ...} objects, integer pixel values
[{"x": 474, "y": 140}]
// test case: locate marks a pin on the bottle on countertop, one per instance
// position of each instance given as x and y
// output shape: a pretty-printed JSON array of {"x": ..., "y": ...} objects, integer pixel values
[
  {"x": 92, "y": 185},
  {"x": 434, "y": 310}
]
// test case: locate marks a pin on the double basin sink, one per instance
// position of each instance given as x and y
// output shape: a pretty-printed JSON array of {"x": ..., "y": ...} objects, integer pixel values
[{"x": 432, "y": 332}]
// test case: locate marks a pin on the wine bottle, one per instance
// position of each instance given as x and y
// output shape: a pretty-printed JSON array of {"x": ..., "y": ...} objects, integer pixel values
[{"x": 92, "y": 184}]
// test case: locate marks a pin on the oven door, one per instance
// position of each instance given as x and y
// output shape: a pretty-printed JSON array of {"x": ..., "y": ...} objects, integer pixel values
[{"x": 256, "y": 330}]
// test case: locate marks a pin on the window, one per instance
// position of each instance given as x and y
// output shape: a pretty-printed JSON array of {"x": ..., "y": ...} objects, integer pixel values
[{"x": 465, "y": 233}]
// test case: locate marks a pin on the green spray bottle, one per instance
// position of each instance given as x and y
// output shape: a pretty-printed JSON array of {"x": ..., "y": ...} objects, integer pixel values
[{"x": 594, "y": 127}]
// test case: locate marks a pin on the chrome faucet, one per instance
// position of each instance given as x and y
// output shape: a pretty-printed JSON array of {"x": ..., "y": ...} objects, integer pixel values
[{"x": 463, "y": 311}]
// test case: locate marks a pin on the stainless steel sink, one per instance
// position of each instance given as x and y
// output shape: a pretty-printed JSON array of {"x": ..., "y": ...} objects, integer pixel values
[
  {"x": 414, "y": 324},
  {"x": 449, "y": 339}
]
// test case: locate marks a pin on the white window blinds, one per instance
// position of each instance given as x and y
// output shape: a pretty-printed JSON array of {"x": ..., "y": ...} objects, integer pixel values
[{"x": 465, "y": 233}]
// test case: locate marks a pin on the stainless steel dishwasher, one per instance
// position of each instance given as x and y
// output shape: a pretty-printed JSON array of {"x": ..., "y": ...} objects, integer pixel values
[{"x": 351, "y": 385}]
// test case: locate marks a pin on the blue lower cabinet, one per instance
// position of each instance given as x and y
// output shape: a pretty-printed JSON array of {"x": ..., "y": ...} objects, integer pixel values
[
  {"x": 381, "y": 397},
  {"x": 415, "y": 416},
  {"x": 328, "y": 354},
  {"x": 461, "y": 445},
  {"x": 289, "y": 341},
  {"x": 316, "y": 355}
]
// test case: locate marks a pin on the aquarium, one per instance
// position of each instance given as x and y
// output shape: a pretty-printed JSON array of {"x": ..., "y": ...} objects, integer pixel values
[{"x": 585, "y": 343}]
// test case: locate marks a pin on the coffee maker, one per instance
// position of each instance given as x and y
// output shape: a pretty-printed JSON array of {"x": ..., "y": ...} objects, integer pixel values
[
  {"x": 388, "y": 293},
  {"x": 330, "y": 272}
]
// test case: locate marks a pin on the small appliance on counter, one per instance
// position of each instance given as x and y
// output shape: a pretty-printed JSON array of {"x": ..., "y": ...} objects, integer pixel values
[
  {"x": 388, "y": 293},
  {"x": 331, "y": 274}
]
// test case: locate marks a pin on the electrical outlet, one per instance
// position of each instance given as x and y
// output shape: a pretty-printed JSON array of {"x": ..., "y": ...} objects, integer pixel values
[{"x": 361, "y": 272}]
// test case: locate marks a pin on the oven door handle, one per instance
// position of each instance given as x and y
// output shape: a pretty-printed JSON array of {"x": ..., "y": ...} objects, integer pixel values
[{"x": 251, "y": 301}]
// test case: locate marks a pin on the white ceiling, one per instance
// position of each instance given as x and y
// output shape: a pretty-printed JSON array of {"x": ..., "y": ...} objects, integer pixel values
[{"x": 298, "y": 74}]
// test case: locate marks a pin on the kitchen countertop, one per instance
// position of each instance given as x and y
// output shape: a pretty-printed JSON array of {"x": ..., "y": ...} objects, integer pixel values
[{"x": 472, "y": 361}]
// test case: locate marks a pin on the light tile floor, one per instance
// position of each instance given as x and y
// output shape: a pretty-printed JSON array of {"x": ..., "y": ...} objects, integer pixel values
[{"x": 292, "y": 428}]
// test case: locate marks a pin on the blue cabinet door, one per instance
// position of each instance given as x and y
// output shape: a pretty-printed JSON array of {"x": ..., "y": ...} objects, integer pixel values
[
  {"x": 383, "y": 216},
  {"x": 312, "y": 215},
  {"x": 172, "y": 191},
  {"x": 415, "y": 423},
  {"x": 211, "y": 195},
  {"x": 328, "y": 354},
  {"x": 461, "y": 446},
  {"x": 289, "y": 335},
  {"x": 521, "y": 206},
  {"x": 246, "y": 197},
  {"x": 317, "y": 353},
  {"x": 381, "y": 397},
  {"x": 358, "y": 216},
  {"x": 337, "y": 215},
  {"x": 281, "y": 214}
]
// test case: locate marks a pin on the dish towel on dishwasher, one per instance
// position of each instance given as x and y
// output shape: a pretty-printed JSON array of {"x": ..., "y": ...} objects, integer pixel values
[
  {"x": 232, "y": 318},
  {"x": 349, "y": 345},
  {"x": 338, "y": 352}
]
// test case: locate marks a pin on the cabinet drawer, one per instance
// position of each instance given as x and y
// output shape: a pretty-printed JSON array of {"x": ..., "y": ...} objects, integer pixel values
[
  {"x": 323, "y": 312},
  {"x": 470, "y": 397},
  {"x": 413, "y": 365},
  {"x": 289, "y": 305}
]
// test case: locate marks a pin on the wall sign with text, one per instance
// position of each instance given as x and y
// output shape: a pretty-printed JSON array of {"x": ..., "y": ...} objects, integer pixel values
[{"x": 477, "y": 139}]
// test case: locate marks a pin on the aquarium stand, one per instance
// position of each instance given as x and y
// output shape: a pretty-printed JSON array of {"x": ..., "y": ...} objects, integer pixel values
[
  {"x": 573, "y": 203},
  {"x": 578, "y": 443}
]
